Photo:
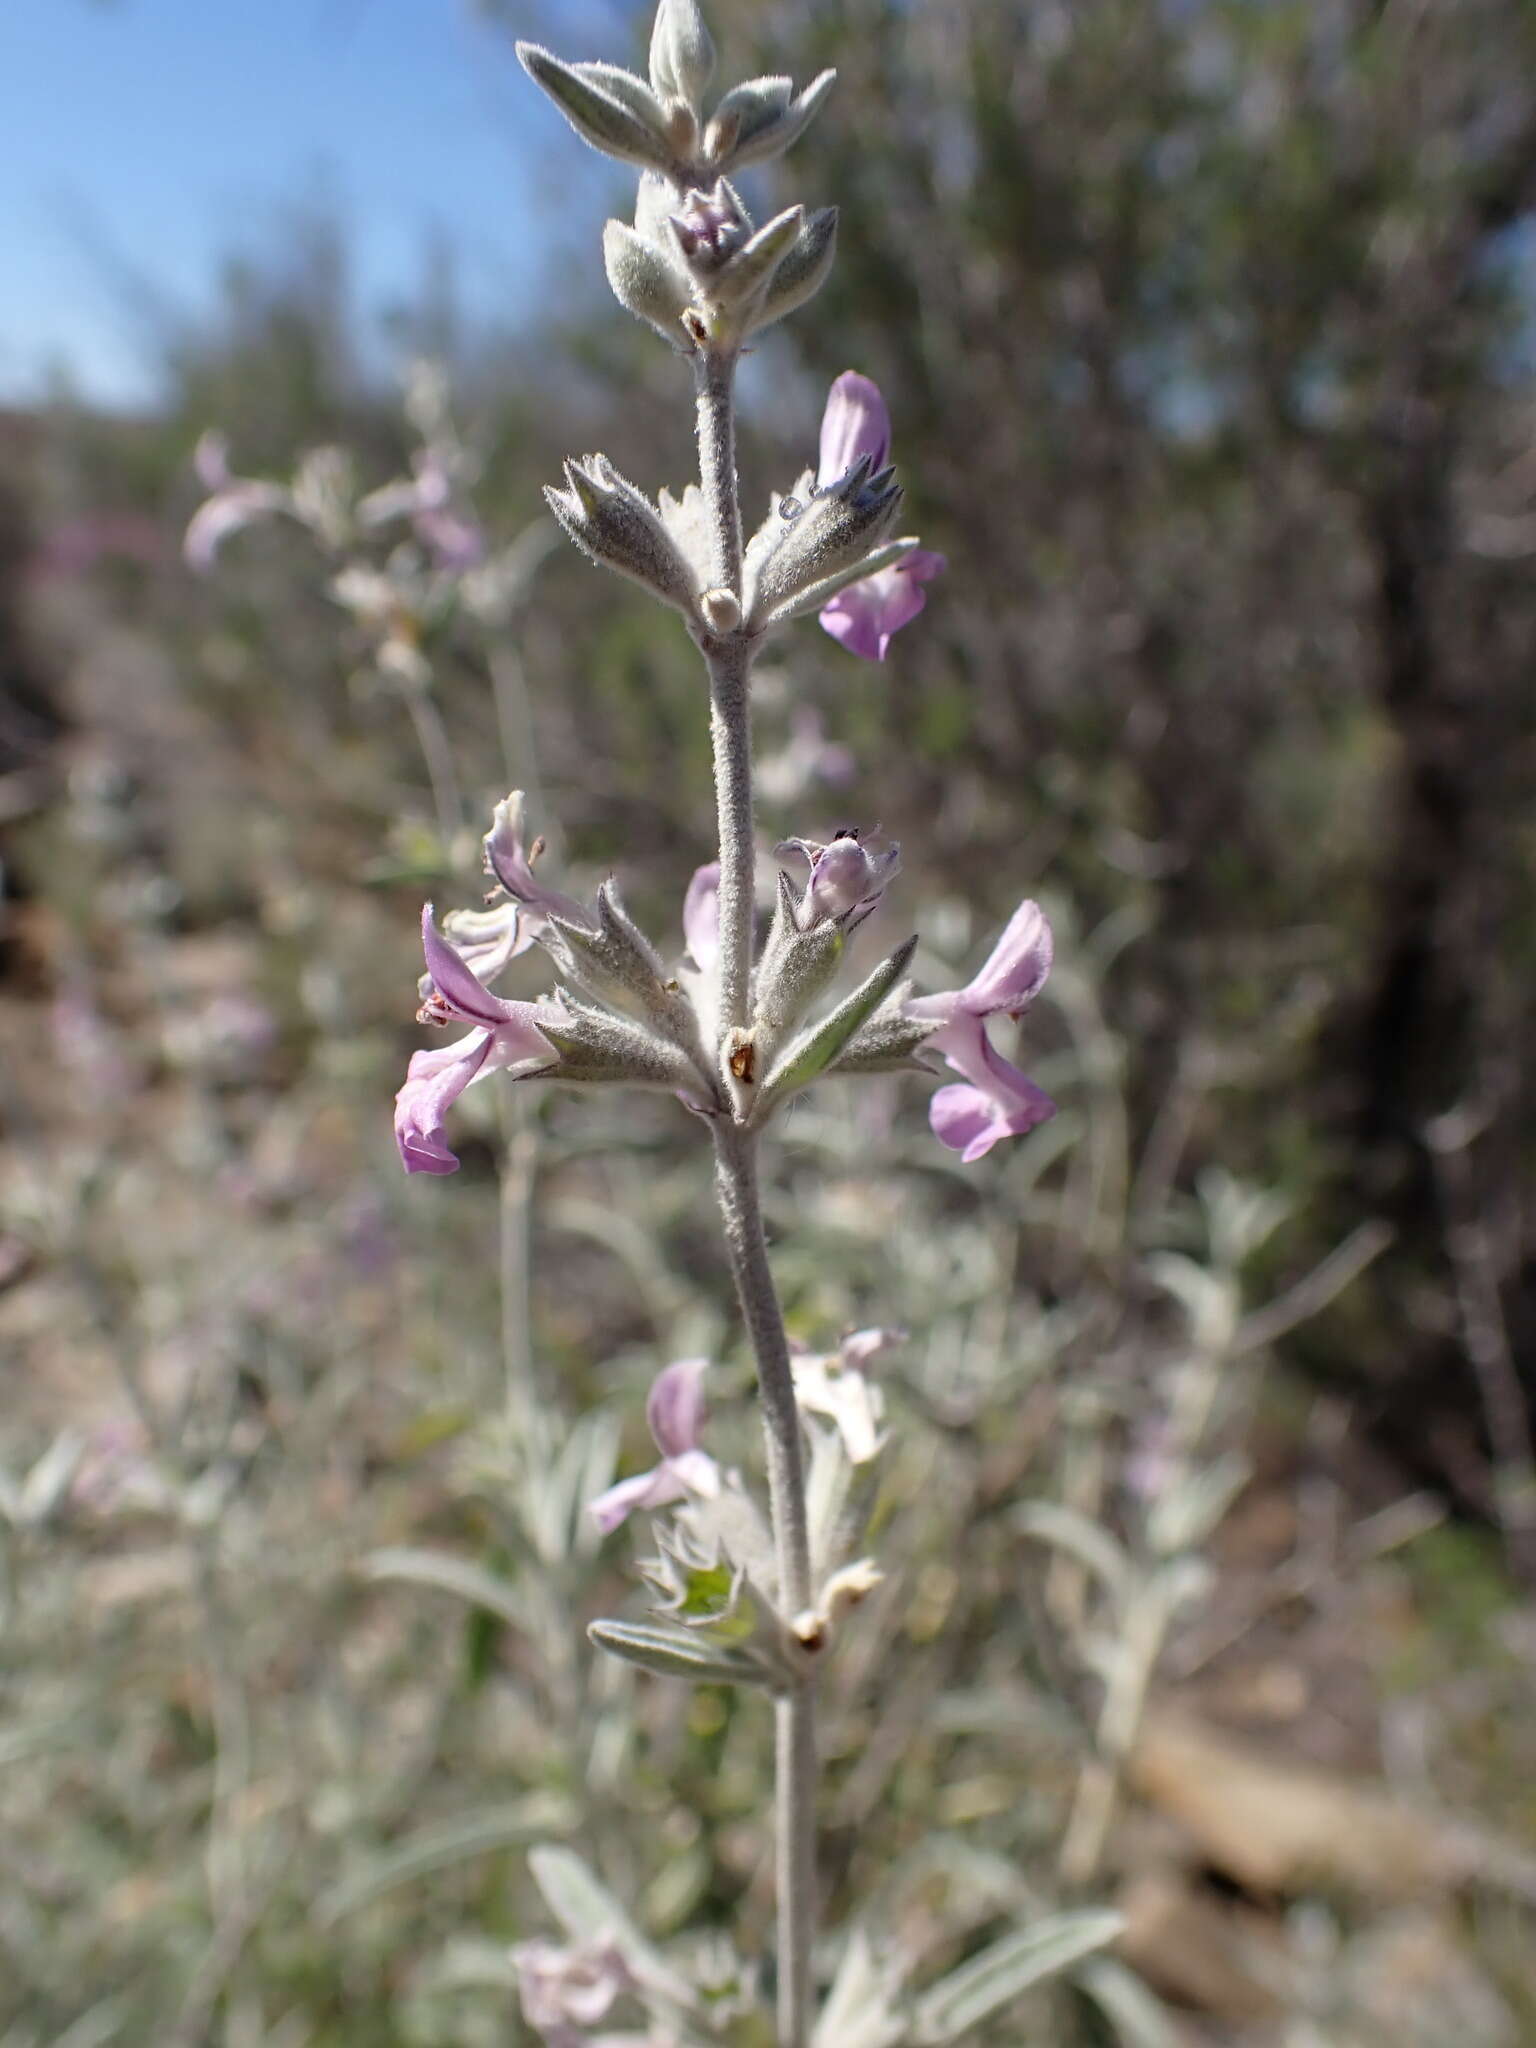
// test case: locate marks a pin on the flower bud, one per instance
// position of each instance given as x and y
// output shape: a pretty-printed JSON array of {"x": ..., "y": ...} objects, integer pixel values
[
  {"x": 682, "y": 52},
  {"x": 615, "y": 524},
  {"x": 761, "y": 119},
  {"x": 645, "y": 281},
  {"x": 840, "y": 525},
  {"x": 796, "y": 967},
  {"x": 613, "y": 960},
  {"x": 595, "y": 1045},
  {"x": 709, "y": 227},
  {"x": 738, "y": 283},
  {"x": 889, "y": 1042},
  {"x": 803, "y": 271},
  {"x": 845, "y": 876}
]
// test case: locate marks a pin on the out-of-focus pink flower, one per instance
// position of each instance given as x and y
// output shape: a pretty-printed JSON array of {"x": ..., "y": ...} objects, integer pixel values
[
  {"x": 506, "y": 1039},
  {"x": 865, "y": 616},
  {"x": 701, "y": 917},
  {"x": 233, "y": 502},
  {"x": 837, "y": 1386},
  {"x": 79, "y": 545},
  {"x": 675, "y": 1412},
  {"x": 807, "y": 756},
  {"x": 454, "y": 540},
  {"x": 563, "y": 1991},
  {"x": 995, "y": 1100}
]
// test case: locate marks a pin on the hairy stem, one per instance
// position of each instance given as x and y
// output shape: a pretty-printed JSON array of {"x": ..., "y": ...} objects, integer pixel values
[
  {"x": 730, "y": 726},
  {"x": 715, "y": 378},
  {"x": 729, "y": 657},
  {"x": 795, "y": 1800},
  {"x": 736, "y": 1186},
  {"x": 795, "y": 1777}
]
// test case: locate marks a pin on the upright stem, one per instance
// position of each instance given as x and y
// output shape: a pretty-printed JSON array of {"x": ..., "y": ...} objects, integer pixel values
[
  {"x": 728, "y": 653},
  {"x": 794, "y": 1711},
  {"x": 714, "y": 378},
  {"x": 736, "y": 1186},
  {"x": 730, "y": 726},
  {"x": 795, "y": 1863}
]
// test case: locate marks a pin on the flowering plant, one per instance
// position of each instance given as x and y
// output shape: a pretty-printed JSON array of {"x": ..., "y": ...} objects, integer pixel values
[{"x": 734, "y": 1029}]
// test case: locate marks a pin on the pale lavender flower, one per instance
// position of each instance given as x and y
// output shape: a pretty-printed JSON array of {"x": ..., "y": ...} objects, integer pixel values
[
  {"x": 701, "y": 917},
  {"x": 807, "y": 756},
  {"x": 563, "y": 1991},
  {"x": 837, "y": 1386},
  {"x": 845, "y": 876},
  {"x": 675, "y": 1412},
  {"x": 455, "y": 541},
  {"x": 856, "y": 422},
  {"x": 1151, "y": 1459},
  {"x": 506, "y": 1039},
  {"x": 865, "y": 617},
  {"x": 233, "y": 502},
  {"x": 510, "y": 862},
  {"x": 700, "y": 969},
  {"x": 488, "y": 940},
  {"x": 995, "y": 1099},
  {"x": 709, "y": 225}
]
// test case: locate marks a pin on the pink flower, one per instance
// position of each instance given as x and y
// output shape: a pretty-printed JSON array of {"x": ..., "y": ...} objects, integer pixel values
[
  {"x": 233, "y": 502},
  {"x": 838, "y": 1387},
  {"x": 506, "y": 1039},
  {"x": 511, "y": 863},
  {"x": 701, "y": 917},
  {"x": 675, "y": 1412},
  {"x": 866, "y": 615},
  {"x": 563, "y": 1991},
  {"x": 995, "y": 1100},
  {"x": 454, "y": 541},
  {"x": 845, "y": 877}
]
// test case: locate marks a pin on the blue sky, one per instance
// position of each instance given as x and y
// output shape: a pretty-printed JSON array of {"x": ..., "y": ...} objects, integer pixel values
[{"x": 143, "y": 140}]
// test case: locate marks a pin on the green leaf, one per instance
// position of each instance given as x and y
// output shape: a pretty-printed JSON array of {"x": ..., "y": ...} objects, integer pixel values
[
  {"x": 445, "y": 1843},
  {"x": 1065, "y": 1529},
  {"x": 815, "y": 1050},
  {"x": 1010, "y": 1967},
  {"x": 709, "y": 1590},
  {"x": 450, "y": 1575},
  {"x": 674, "y": 1655}
]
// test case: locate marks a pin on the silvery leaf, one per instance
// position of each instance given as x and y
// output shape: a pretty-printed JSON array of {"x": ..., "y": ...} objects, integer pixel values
[
  {"x": 1005, "y": 1971},
  {"x": 595, "y": 112},
  {"x": 803, "y": 271},
  {"x": 815, "y": 1049},
  {"x": 818, "y": 594},
  {"x": 672, "y": 1654}
]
